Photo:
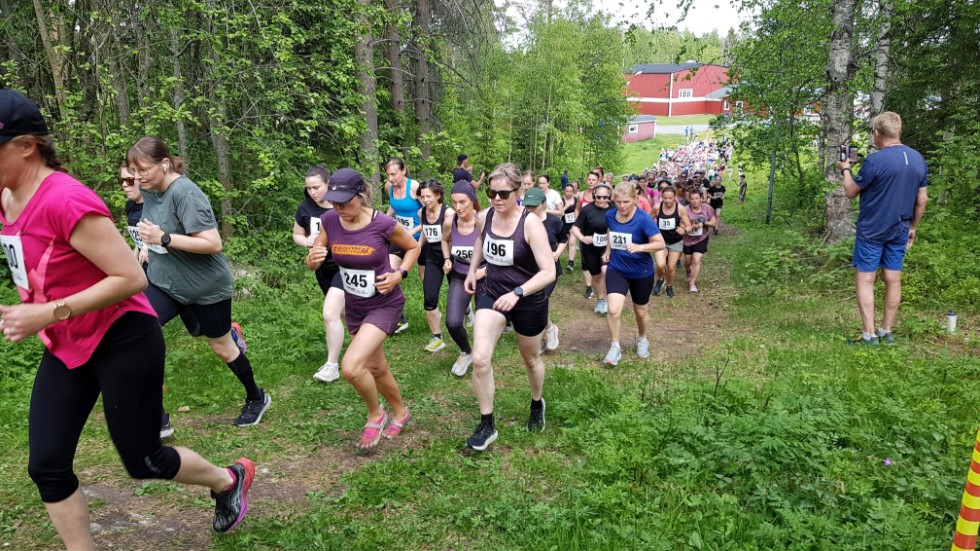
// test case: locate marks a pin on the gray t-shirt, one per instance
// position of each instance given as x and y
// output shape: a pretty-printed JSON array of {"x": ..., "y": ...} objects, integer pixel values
[{"x": 190, "y": 278}]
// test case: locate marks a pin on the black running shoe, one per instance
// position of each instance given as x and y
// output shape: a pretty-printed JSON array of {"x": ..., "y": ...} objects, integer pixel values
[
  {"x": 669, "y": 292},
  {"x": 536, "y": 420},
  {"x": 253, "y": 410},
  {"x": 588, "y": 293},
  {"x": 657, "y": 287},
  {"x": 483, "y": 437},
  {"x": 231, "y": 505}
]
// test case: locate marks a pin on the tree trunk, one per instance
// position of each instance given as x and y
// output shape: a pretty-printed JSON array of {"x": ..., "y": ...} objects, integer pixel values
[
  {"x": 367, "y": 87},
  {"x": 55, "y": 58},
  {"x": 882, "y": 55},
  {"x": 217, "y": 130},
  {"x": 838, "y": 114},
  {"x": 394, "y": 51},
  {"x": 423, "y": 95},
  {"x": 178, "y": 96}
]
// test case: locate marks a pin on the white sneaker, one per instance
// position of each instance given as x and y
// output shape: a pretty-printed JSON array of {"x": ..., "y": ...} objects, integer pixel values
[
  {"x": 435, "y": 345},
  {"x": 598, "y": 306},
  {"x": 613, "y": 356},
  {"x": 552, "y": 335},
  {"x": 328, "y": 372},
  {"x": 470, "y": 317},
  {"x": 643, "y": 347},
  {"x": 462, "y": 364}
]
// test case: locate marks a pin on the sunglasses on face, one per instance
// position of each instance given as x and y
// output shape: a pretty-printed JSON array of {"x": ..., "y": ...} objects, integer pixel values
[
  {"x": 127, "y": 182},
  {"x": 504, "y": 194},
  {"x": 602, "y": 197}
]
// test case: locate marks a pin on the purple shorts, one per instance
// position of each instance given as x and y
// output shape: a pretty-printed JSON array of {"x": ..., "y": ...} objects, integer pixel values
[{"x": 384, "y": 316}]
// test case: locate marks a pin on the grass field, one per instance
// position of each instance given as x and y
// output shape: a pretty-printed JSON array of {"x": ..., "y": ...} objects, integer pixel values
[
  {"x": 685, "y": 120},
  {"x": 752, "y": 427}
]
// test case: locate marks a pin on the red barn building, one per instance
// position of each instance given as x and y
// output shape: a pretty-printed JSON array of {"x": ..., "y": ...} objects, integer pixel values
[{"x": 672, "y": 90}]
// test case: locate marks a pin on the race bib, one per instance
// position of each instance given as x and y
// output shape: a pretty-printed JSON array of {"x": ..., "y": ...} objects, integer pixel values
[
  {"x": 668, "y": 224},
  {"x": 463, "y": 254},
  {"x": 696, "y": 232},
  {"x": 719, "y": 195},
  {"x": 499, "y": 252},
  {"x": 315, "y": 226},
  {"x": 406, "y": 222},
  {"x": 135, "y": 235},
  {"x": 359, "y": 283},
  {"x": 569, "y": 217},
  {"x": 433, "y": 234},
  {"x": 13, "y": 249},
  {"x": 159, "y": 249},
  {"x": 600, "y": 240},
  {"x": 619, "y": 240}
]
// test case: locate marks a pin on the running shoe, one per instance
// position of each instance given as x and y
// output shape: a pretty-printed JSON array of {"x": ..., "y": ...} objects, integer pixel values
[
  {"x": 435, "y": 344},
  {"x": 484, "y": 436},
  {"x": 253, "y": 410},
  {"x": 570, "y": 266},
  {"x": 328, "y": 372},
  {"x": 463, "y": 363},
  {"x": 166, "y": 431},
  {"x": 613, "y": 356},
  {"x": 588, "y": 293},
  {"x": 885, "y": 337},
  {"x": 861, "y": 341},
  {"x": 643, "y": 347},
  {"x": 236, "y": 335},
  {"x": 231, "y": 505},
  {"x": 657, "y": 287},
  {"x": 598, "y": 306},
  {"x": 509, "y": 327},
  {"x": 536, "y": 420},
  {"x": 470, "y": 317},
  {"x": 601, "y": 306},
  {"x": 552, "y": 338},
  {"x": 402, "y": 325},
  {"x": 669, "y": 292},
  {"x": 693, "y": 288}
]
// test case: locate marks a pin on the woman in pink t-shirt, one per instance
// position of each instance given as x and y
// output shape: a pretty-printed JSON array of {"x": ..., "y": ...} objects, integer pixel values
[{"x": 80, "y": 287}]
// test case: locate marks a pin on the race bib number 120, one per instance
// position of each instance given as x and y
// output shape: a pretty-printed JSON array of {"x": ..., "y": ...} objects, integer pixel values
[
  {"x": 499, "y": 252},
  {"x": 14, "y": 251}
]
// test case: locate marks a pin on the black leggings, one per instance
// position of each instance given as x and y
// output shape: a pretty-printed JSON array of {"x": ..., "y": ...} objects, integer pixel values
[
  {"x": 431, "y": 286},
  {"x": 127, "y": 368},
  {"x": 456, "y": 303}
]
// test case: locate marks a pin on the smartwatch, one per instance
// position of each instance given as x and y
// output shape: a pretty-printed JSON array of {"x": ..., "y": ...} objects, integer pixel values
[
  {"x": 165, "y": 240},
  {"x": 404, "y": 273},
  {"x": 519, "y": 292}
]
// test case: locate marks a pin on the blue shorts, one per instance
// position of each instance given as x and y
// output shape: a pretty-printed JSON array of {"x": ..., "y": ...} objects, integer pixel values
[{"x": 868, "y": 257}]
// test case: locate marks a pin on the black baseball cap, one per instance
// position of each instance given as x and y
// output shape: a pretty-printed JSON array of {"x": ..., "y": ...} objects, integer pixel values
[
  {"x": 344, "y": 185},
  {"x": 19, "y": 116}
]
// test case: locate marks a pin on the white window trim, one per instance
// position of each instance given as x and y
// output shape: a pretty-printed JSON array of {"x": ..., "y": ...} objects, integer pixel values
[
  {"x": 685, "y": 92},
  {"x": 727, "y": 106},
  {"x": 739, "y": 105},
  {"x": 633, "y": 129}
]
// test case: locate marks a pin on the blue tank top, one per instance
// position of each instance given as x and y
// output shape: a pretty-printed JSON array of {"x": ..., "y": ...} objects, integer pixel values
[{"x": 406, "y": 209}]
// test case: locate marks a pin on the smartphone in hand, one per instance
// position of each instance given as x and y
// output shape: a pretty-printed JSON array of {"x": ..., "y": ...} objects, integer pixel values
[
  {"x": 852, "y": 153},
  {"x": 843, "y": 152}
]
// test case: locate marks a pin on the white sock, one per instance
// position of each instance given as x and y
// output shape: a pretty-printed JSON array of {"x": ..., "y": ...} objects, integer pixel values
[{"x": 867, "y": 336}]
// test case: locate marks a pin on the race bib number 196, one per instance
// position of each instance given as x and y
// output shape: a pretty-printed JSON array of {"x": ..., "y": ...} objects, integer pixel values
[
  {"x": 14, "y": 251},
  {"x": 359, "y": 283},
  {"x": 499, "y": 252}
]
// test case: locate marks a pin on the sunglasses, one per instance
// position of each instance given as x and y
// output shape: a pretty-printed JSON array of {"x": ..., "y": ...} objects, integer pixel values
[
  {"x": 127, "y": 182},
  {"x": 504, "y": 194},
  {"x": 602, "y": 197}
]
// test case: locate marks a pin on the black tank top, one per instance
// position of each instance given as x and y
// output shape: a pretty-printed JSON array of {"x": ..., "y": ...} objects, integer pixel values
[
  {"x": 433, "y": 237},
  {"x": 510, "y": 261},
  {"x": 668, "y": 224}
]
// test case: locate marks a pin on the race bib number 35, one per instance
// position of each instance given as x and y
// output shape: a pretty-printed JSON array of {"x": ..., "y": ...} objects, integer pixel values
[
  {"x": 433, "y": 234},
  {"x": 13, "y": 249},
  {"x": 668, "y": 224},
  {"x": 359, "y": 283},
  {"x": 619, "y": 240},
  {"x": 499, "y": 252},
  {"x": 600, "y": 240}
]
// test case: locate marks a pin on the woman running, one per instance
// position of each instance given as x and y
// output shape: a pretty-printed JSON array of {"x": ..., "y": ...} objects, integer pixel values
[
  {"x": 570, "y": 200},
  {"x": 432, "y": 216},
  {"x": 672, "y": 222},
  {"x": 701, "y": 216},
  {"x": 305, "y": 231},
  {"x": 585, "y": 198},
  {"x": 519, "y": 267},
  {"x": 632, "y": 237},
  {"x": 459, "y": 233},
  {"x": 403, "y": 206},
  {"x": 134, "y": 212},
  {"x": 188, "y": 274},
  {"x": 359, "y": 239},
  {"x": 80, "y": 288},
  {"x": 536, "y": 201},
  {"x": 590, "y": 229}
]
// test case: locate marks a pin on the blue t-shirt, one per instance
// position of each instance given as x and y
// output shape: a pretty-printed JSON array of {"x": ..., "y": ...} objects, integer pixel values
[
  {"x": 889, "y": 180},
  {"x": 639, "y": 230}
]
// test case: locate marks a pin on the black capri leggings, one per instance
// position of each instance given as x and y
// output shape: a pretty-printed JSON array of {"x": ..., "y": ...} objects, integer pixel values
[
  {"x": 431, "y": 286},
  {"x": 127, "y": 369}
]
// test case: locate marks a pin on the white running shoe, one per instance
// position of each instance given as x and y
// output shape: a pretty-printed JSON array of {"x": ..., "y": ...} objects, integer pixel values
[
  {"x": 328, "y": 372},
  {"x": 643, "y": 347},
  {"x": 462, "y": 364},
  {"x": 435, "y": 345},
  {"x": 613, "y": 356},
  {"x": 552, "y": 341},
  {"x": 598, "y": 306}
]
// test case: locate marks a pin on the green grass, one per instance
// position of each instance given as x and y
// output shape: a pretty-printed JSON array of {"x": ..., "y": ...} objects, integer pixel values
[
  {"x": 775, "y": 437},
  {"x": 685, "y": 120},
  {"x": 639, "y": 156}
]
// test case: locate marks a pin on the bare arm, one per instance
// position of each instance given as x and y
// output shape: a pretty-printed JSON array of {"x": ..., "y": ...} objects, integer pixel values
[
  {"x": 202, "y": 242},
  {"x": 920, "y": 208},
  {"x": 300, "y": 237}
]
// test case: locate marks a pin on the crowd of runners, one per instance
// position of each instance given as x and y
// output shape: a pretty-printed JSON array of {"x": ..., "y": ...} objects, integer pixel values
[{"x": 495, "y": 241}]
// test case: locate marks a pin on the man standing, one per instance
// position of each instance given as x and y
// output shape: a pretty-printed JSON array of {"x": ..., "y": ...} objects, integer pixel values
[
  {"x": 564, "y": 179},
  {"x": 462, "y": 171},
  {"x": 892, "y": 185}
]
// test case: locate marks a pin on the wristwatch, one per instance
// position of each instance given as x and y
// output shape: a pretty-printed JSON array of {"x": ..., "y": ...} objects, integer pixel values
[
  {"x": 404, "y": 273},
  {"x": 61, "y": 311},
  {"x": 519, "y": 292},
  {"x": 165, "y": 240}
]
